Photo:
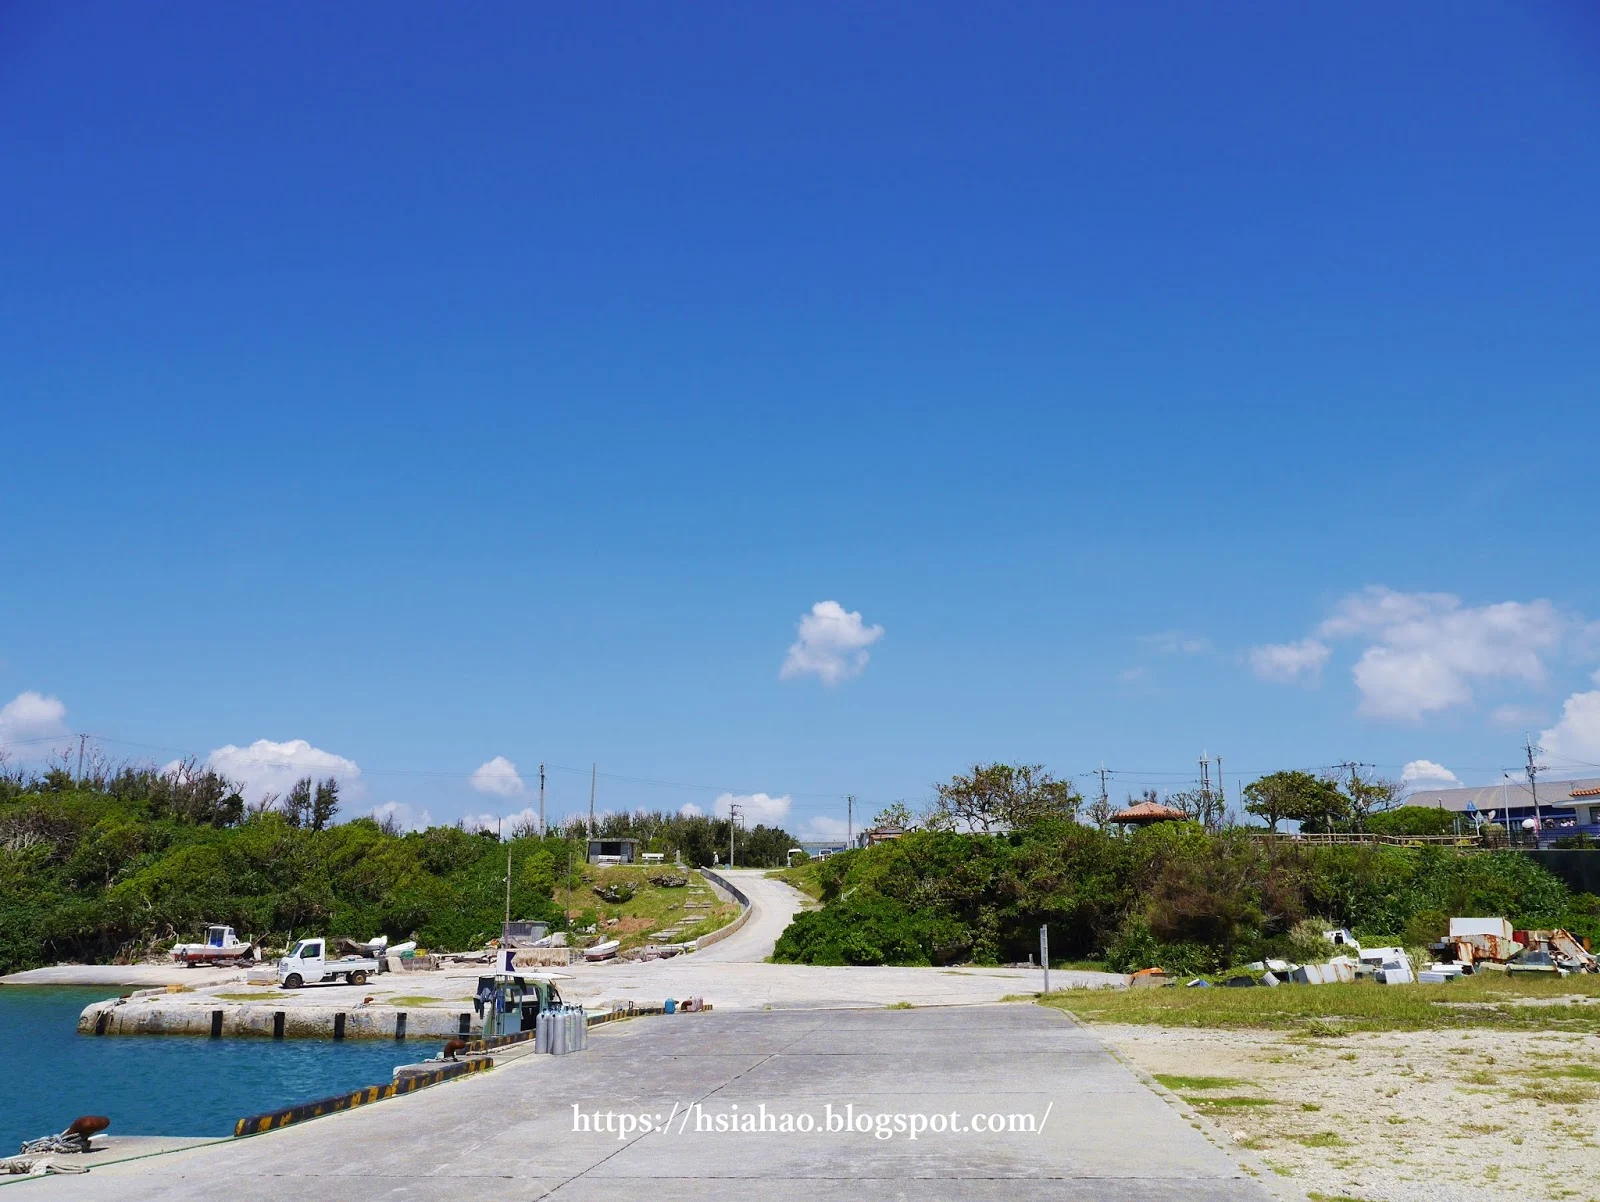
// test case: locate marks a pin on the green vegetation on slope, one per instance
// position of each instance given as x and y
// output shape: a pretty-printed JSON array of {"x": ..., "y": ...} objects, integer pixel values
[
  {"x": 693, "y": 908},
  {"x": 1171, "y": 895},
  {"x": 804, "y": 876},
  {"x": 141, "y": 859}
]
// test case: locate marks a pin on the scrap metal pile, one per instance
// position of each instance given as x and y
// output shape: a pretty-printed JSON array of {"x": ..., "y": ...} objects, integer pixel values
[{"x": 1473, "y": 945}]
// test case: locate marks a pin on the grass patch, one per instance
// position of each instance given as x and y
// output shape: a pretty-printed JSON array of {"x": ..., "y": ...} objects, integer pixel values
[
  {"x": 1181, "y": 1083},
  {"x": 241, "y": 997},
  {"x": 652, "y": 908},
  {"x": 1551, "y": 1093},
  {"x": 1583, "y": 1072},
  {"x": 803, "y": 877},
  {"x": 899, "y": 1006},
  {"x": 1322, "y": 1139},
  {"x": 1517, "y": 1003},
  {"x": 1317, "y": 1195},
  {"x": 415, "y": 1001},
  {"x": 1231, "y": 1102}
]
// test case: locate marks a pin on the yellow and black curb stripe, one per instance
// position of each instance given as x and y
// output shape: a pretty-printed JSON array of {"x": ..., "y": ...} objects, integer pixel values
[{"x": 272, "y": 1120}]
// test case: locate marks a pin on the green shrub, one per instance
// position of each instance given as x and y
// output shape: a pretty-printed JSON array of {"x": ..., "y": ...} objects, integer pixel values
[{"x": 871, "y": 930}]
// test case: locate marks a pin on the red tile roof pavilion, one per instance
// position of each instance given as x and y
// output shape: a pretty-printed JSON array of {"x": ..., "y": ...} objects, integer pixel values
[{"x": 1147, "y": 812}]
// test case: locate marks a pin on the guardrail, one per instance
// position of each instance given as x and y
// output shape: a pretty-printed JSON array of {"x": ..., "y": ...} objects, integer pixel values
[
  {"x": 1322, "y": 839},
  {"x": 733, "y": 891}
]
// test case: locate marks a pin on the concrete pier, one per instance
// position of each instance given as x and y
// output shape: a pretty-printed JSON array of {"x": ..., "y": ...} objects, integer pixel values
[
  {"x": 264, "y": 1020},
  {"x": 1097, "y": 1134}
]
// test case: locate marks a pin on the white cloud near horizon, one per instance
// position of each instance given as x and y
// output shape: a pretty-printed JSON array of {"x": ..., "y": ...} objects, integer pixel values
[
  {"x": 1425, "y": 651},
  {"x": 832, "y": 644},
  {"x": 406, "y": 816},
  {"x": 1576, "y": 734},
  {"x": 823, "y": 829},
  {"x": 31, "y": 720},
  {"x": 1427, "y": 772},
  {"x": 755, "y": 809},
  {"x": 497, "y": 776},
  {"x": 267, "y": 767},
  {"x": 504, "y": 824}
]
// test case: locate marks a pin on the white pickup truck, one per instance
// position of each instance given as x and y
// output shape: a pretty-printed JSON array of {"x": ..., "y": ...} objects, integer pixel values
[{"x": 307, "y": 962}]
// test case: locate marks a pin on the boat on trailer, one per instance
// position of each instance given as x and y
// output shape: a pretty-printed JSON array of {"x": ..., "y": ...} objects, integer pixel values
[{"x": 222, "y": 946}]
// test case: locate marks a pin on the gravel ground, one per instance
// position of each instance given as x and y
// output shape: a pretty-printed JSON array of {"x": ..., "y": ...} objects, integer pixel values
[{"x": 1425, "y": 1116}]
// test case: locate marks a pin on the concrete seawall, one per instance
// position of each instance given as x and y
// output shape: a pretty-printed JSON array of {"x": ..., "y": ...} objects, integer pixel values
[{"x": 263, "y": 1020}]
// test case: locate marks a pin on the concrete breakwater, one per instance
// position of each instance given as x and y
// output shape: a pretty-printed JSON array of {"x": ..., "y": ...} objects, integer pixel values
[
  {"x": 141, "y": 1016},
  {"x": 196, "y": 1015}
]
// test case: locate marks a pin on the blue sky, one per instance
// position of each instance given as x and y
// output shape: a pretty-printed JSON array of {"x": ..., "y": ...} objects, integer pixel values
[{"x": 434, "y": 386}]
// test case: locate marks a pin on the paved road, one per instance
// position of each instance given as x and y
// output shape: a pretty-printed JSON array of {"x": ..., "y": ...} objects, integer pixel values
[
  {"x": 772, "y": 904},
  {"x": 509, "y": 1133}
]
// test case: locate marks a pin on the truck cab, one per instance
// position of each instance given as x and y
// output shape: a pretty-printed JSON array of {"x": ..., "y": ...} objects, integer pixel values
[{"x": 305, "y": 961}]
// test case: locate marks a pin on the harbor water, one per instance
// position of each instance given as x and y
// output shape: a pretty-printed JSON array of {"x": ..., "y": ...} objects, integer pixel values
[{"x": 164, "y": 1084}]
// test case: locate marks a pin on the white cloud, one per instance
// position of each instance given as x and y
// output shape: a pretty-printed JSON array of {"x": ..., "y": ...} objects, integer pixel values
[
  {"x": 1430, "y": 648},
  {"x": 822, "y": 829},
  {"x": 755, "y": 809},
  {"x": 1175, "y": 642},
  {"x": 1426, "y": 771},
  {"x": 406, "y": 816},
  {"x": 503, "y": 823},
  {"x": 31, "y": 720},
  {"x": 268, "y": 767},
  {"x": 1425, "y": 651},
  {"x": 498, "y": 776},
  {"x": 1576, "y": 735},
  {"x": 1285, "y": 663},
  {"x": 832, "y": 645},
  {"x": 1516, "y": 716},
  {"x": 689, "y": 810}
]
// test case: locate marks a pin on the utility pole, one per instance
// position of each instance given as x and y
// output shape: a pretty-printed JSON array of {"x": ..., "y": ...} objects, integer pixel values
[
  {"x": 81, "y": 740},
  {"x": 1105, "y": 798},
  {"x": 733, "y": 818},
  {"x": 541, "y": 801},
  {"x": 508, "y": 883},
  {"x": 1205, "y": 786},
  {"x": 1533, "y": 787},
  {"x": 1222, "y": 793},
  {"x": 592, "y": 772},
  {"x": 850, "y": 819}
]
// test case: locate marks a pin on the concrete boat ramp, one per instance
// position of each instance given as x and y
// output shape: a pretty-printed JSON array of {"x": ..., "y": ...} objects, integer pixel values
[{"x": 1074, "y": 1124}]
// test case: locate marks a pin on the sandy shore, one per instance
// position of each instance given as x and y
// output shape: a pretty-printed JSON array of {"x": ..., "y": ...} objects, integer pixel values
[{"x": 1427, "y": 1116}]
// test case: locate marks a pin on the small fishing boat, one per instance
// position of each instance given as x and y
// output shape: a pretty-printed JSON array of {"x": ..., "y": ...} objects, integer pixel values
[
  {"x": 222, "y": 946},
  {"x": 601, "y": 951}
]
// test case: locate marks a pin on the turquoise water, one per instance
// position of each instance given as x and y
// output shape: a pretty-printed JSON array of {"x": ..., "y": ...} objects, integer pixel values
[{"x": 163, "y": 1084}]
